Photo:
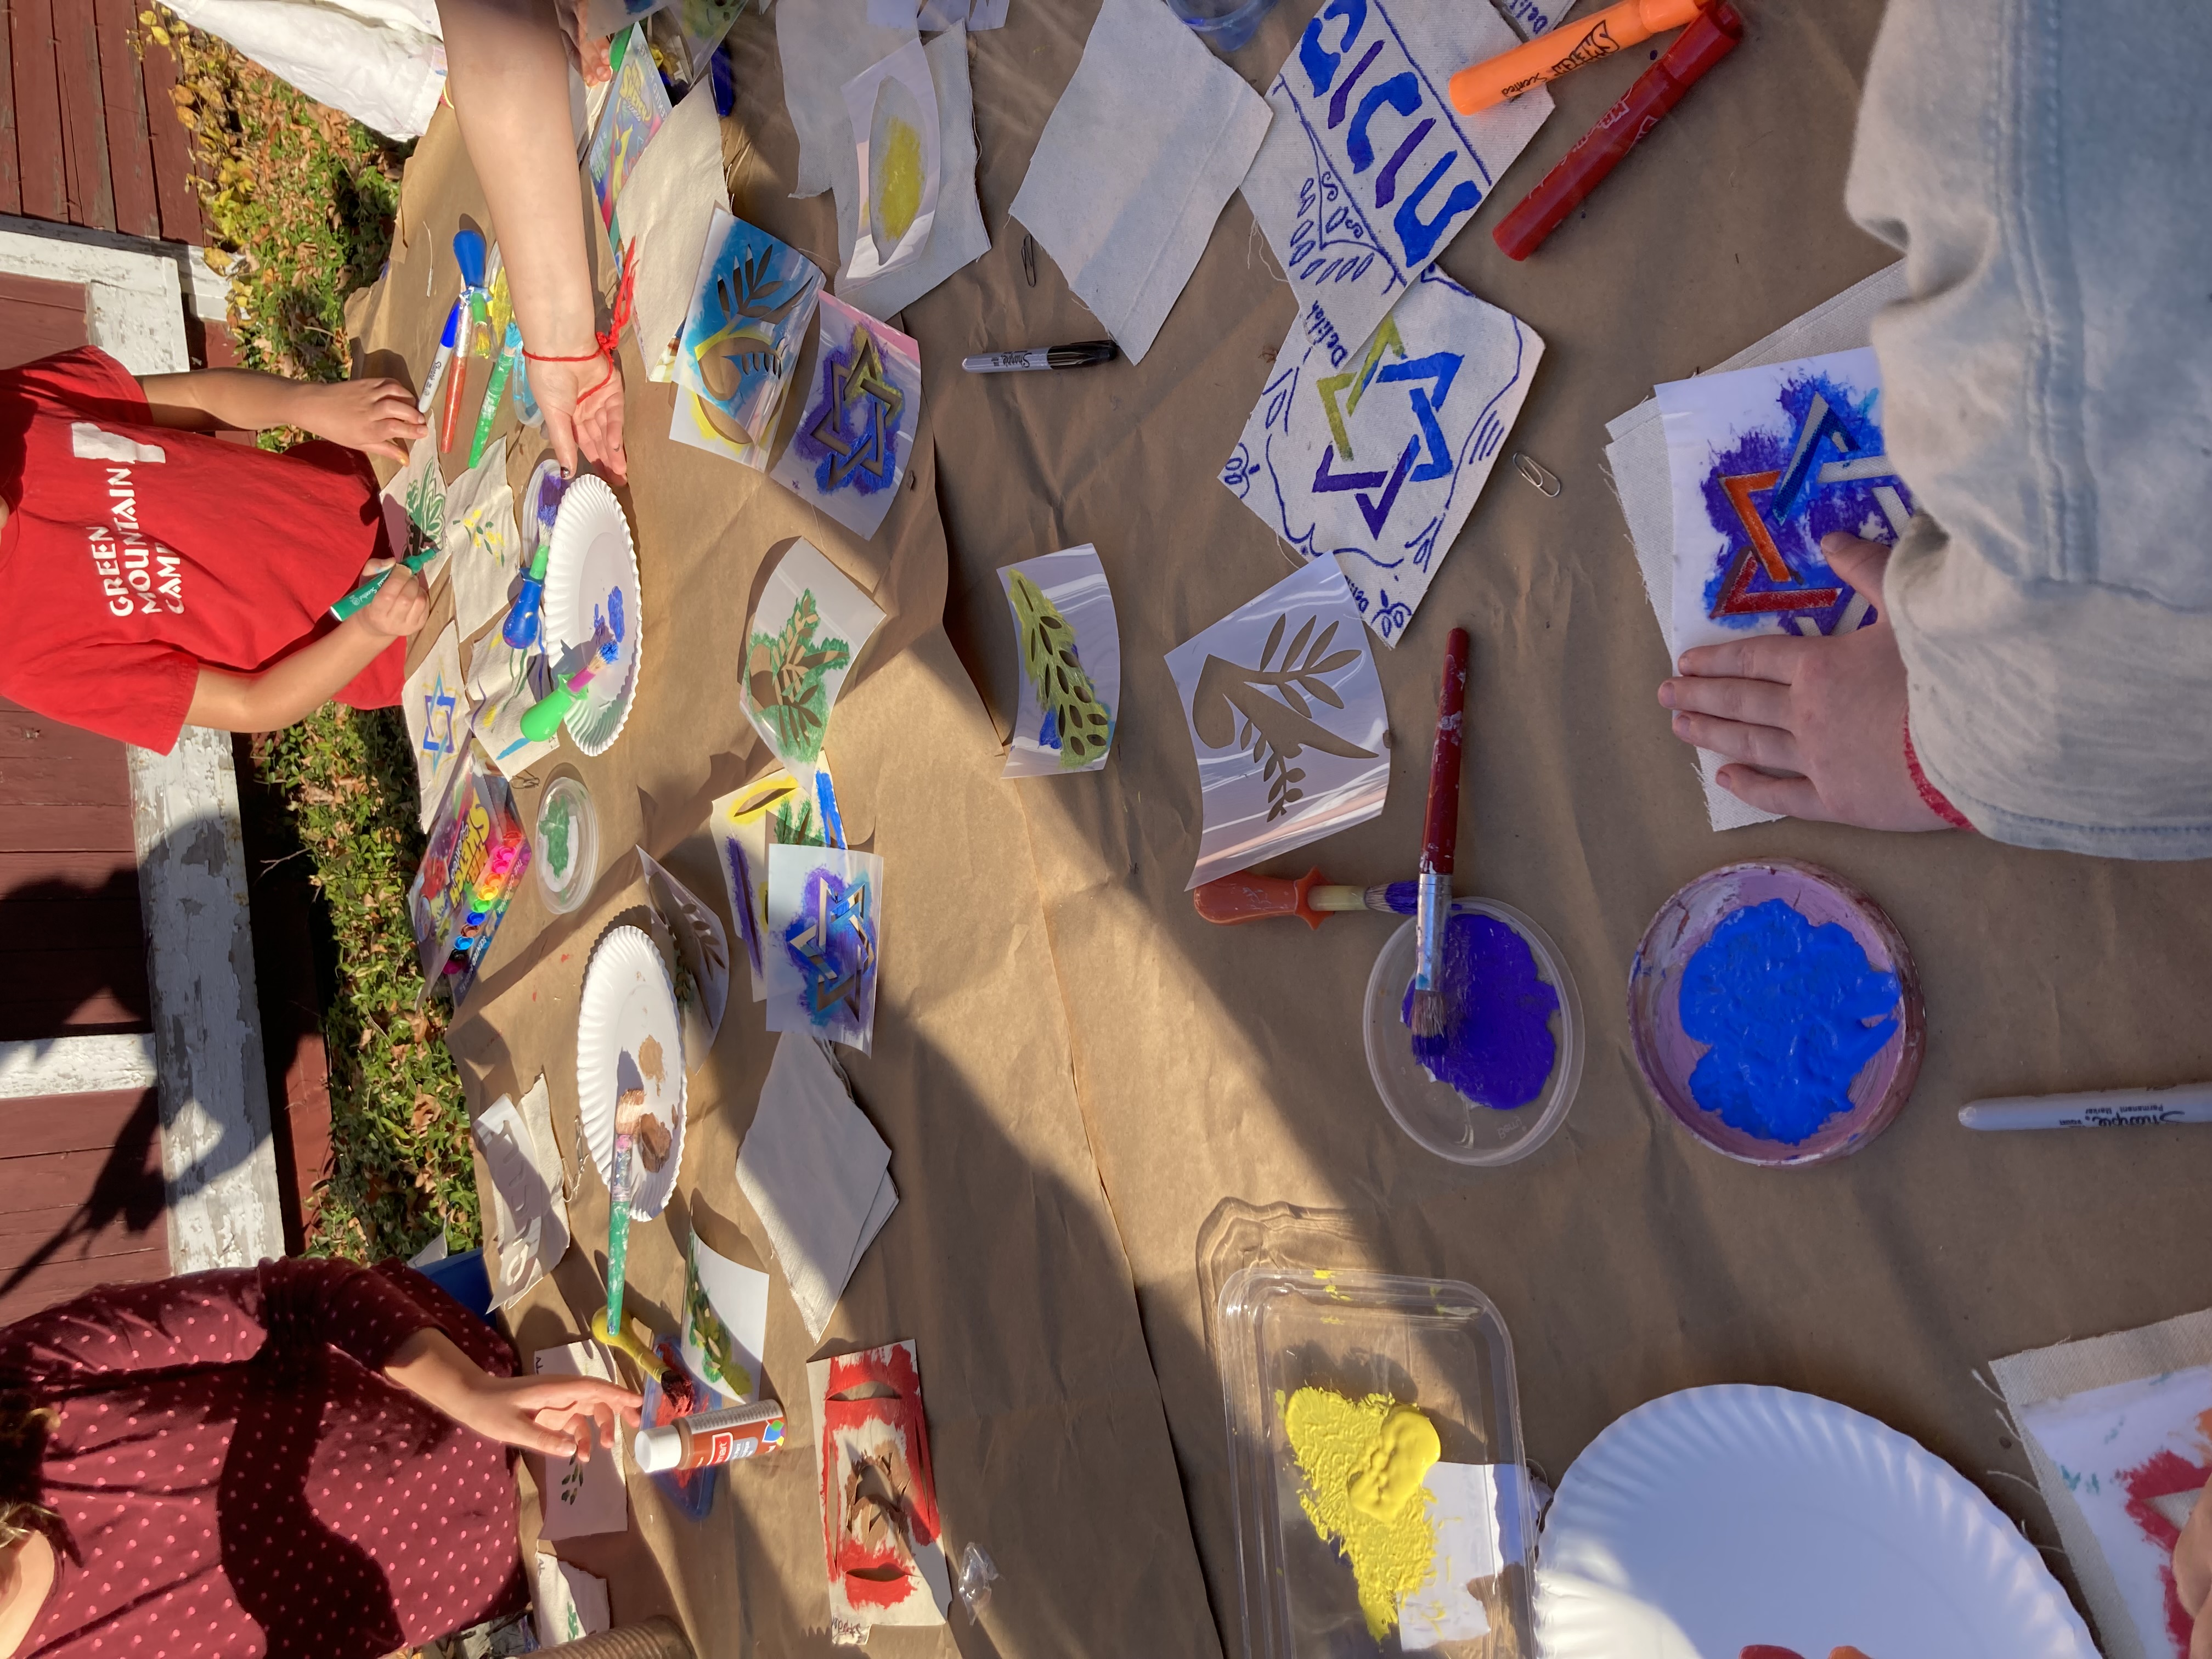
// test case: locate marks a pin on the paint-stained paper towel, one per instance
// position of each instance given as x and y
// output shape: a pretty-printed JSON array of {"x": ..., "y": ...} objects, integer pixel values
[
  {"x": 1148, "y": 142},
  {"x": 817, "y": 1174}
]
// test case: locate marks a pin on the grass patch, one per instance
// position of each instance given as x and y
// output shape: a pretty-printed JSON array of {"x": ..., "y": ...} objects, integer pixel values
[
  {"x": 401, "y": 1166},
  {"x": 300, "y": 198}
]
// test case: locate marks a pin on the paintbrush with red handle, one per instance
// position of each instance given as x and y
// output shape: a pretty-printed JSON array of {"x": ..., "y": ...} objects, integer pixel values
[{"x": 1438, "y": 840}]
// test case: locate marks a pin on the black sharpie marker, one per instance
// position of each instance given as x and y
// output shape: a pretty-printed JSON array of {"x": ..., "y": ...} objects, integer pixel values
[{"x": 1080, "y": 355}]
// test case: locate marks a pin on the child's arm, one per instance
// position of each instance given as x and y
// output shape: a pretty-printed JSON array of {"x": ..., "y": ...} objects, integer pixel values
[
  {"x": 308, "y": 677},
  {"x": 378, "y": 416}
]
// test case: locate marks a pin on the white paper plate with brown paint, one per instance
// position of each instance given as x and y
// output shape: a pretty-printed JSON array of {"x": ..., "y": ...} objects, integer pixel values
[{"x": 628, "y": 1007}]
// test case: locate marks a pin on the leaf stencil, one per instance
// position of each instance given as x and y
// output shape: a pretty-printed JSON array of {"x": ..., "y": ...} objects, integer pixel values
[
  {"x": 1079, "y": 722},
  {"x": 1276, "y": 732},
  {"x": 784, "y": 675}
]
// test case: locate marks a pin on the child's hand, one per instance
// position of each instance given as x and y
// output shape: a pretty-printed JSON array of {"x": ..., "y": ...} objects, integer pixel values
[
  {"x": 401, "y": 605},
  {"x": 376, "y": 416},
  {"x": 1815, "y": 726}
]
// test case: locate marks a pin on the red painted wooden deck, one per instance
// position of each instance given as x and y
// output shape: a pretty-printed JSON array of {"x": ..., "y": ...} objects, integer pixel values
[{"x": 87, "y": 134}]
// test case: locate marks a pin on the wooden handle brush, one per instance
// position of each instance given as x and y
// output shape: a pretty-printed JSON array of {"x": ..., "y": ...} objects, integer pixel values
[{"x": 1438, "y": 840}]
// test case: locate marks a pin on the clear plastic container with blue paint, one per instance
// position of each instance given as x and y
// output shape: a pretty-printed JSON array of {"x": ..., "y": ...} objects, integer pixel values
[
  {"x": 1526, "y": 1103},
  {"x": 1225, "y": 25}
]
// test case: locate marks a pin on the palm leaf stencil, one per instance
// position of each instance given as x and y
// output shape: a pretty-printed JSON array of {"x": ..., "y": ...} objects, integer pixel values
[
  {"x": 1232, "y": 703},
  {"x": 1075, "y": 714},
  {"x": 784, "y": 676}
]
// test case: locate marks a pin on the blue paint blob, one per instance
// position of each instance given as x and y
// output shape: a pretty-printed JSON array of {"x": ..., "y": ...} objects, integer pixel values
[
  {"x": 1497, "y": 1047},
  {"x": 1783, "y": 1007}
]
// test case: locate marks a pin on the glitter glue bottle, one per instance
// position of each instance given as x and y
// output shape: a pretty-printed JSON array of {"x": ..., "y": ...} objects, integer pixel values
[{"x": 707, "y": 1437}]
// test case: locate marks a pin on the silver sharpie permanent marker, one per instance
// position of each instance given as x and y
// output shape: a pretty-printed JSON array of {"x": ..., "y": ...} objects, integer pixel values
[{"x": 1082, "y": 355}]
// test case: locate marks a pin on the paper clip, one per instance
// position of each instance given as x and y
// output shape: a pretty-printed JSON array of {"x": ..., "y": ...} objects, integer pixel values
[{"x": 1539, "y": 475}]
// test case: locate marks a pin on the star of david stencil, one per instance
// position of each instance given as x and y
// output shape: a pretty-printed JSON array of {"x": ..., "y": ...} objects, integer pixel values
[
  {"x": 824, "y": 921},
  {"x": 850, "y": 455},
  {"x": 1764, "y": 463},
  {"x": 435, "y": 701},
  {"x": 1372, "y": 452}
]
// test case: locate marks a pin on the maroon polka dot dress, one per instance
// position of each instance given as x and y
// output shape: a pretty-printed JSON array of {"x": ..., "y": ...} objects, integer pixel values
[{"x": 235, "y": 1477}]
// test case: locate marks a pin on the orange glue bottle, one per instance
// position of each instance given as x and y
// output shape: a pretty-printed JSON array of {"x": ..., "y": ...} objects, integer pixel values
[
  {"x": 708, "y": 1438},
  {"x": 1569, "y": 47}
]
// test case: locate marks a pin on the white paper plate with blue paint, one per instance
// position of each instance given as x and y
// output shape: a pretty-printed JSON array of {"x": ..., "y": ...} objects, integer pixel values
[
  {"x": 591, "y": 576},
  {"x": 1720, "y": 1519}
]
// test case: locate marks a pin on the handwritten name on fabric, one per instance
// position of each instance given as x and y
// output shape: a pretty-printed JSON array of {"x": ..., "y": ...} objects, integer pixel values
[
  {"x": 1376, "y": 454},
  {"x": 1367, "y": 172},
  {"x": 1287, "y": 718}
]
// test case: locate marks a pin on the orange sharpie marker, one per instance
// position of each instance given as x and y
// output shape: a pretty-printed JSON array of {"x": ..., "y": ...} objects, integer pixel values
[{"x": 1567, "y": 47}]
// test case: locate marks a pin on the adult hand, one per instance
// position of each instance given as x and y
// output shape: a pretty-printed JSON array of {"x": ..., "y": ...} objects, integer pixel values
[
  {"x": 376, "y": 416},
  {"x": 400, "y": 606},
  {"x": 1816, "y": 725},
  {"x": 2192, "y": 1574},
  {"x": 583, "y": 407},
  {"x": 555, "y": 1415}
]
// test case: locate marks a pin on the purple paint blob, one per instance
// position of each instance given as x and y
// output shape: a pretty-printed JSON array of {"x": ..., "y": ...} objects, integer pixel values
[{"x": 1499, "y": 1049}]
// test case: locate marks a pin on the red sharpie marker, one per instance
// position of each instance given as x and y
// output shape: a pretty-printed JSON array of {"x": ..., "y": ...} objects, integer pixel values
[{"x": 1711, "y": 35}]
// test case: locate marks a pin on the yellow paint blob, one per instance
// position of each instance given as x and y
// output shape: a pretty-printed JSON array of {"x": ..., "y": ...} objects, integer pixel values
[
  {"x": 1406, "y": 1448},
  {"x": 1340, "y": 1442},
  {"x": 899, "y": 178}
]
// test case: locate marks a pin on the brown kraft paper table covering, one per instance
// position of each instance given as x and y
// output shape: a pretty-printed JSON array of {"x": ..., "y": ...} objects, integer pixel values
[{"x": 1073, "y": 1072}]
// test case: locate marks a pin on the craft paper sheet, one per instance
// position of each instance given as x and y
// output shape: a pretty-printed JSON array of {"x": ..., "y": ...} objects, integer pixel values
[
  {"x": 957, "y": 236},
  {"x": 2120, "y": 1448},
  {"x": 415, "y": 506},
  {"x": 483, "y": 549},
  {"x": 1368, "y": 172},
  {"x": 1740, "y": 568},
  {"x": 725, "y": 1322},
  {"x": 751, "y": 301},
  {"x": 503, "y": 682},
  {"x": 1138, "y": 157},
  {"x": 636, "y": 106},
  {"x": 849, "y": 455},
  {"x": 668, "y": 208},
  {"x": 823, "y": 45},
  {"x": 582, "y": 1499},
  {"x": 1069, "y": 647},
  {"x": 1286, "y": 717},
  {"x": 823, "y": 943},
  {"x": 1375, "y": 453},
  {"x": 817, "y": 1174},
  {"x": 703, "y": 949},
  {"x": 568, "y": 1603},
  {"x": 892, "y": 106},
  {"x": 775, "y": 808},
  {"x": 810, "y": 627},
  {"x": 880, "y": 1531},
  {"x": 437, "y": 707},
  {"x": 529, "y": 1213}
]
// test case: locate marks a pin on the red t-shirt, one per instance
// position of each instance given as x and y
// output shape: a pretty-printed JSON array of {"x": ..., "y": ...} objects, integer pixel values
[{"x": 133, "y": 554}]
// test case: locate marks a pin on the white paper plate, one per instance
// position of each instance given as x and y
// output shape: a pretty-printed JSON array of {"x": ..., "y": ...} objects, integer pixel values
[
  {"x": 1712, "y": 1520},
  {"x": 591, "y": 567},
  {"x": 628, "y": 1002}
]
